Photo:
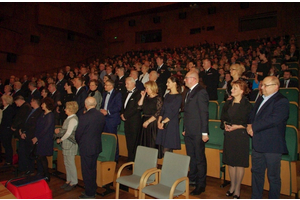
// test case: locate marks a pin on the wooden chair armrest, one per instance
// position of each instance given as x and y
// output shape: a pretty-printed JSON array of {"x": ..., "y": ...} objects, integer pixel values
[
  {"x": 123, "y": 166},
  {"x": 176, "y": 183},
  {"x": 143, "y": 181}
]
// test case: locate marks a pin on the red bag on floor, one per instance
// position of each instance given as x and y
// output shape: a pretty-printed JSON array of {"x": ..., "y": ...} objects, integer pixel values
[{"x": 29, "y": 187}]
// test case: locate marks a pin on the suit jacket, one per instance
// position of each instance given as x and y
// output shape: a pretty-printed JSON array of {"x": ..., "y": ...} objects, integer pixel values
[
  {"x": 80, "y": 98},
  {"x": 164, "y": 74},
  {"x": 36, "y": 94},
  {"x": 211, "y": 80},
  {"x": 25, "y": 89},
  {"x": 269, "y": 124},
  {"x": 18, "y": 93},
  {"x": 139, "y": 85},
  {"x": 120, "y": 86},
  {"x": 60, "y": 87},
  {"x": 30, "y": 124},
  {"x": 131, "y": 112},
  {"x": 291, "y": 83},
  {"x": 7, "y": 119},
  {"x": 196, "y": 112},
  {"x": 87, "y": 78},
  {"x": 89, "y": 131},
  {"x": 114, "y": 107},
  {"x": 21, "y": 116}
]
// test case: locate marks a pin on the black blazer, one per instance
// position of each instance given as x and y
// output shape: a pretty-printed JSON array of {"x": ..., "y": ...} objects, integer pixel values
[
  {"x": 7, "y": 119},
  {"x": 120, "y": 86},
  {"x": 291, "y": 83},
  {"x": 89, "y": 131},
  {"x": 36, "y": 94},
  {"x": 196, "y": 112},
  {"x": 21, "y": 116},
  {"x": 30, "y": 124},
  {"x": 131, "y": 112},
  {"x": 240, "y": 118},
  {"x": 211, "y": 80},
  {"x": 80, "y": 98},
  {"x": 60, "y": 87},
  {"x": 269, "y": 124}
]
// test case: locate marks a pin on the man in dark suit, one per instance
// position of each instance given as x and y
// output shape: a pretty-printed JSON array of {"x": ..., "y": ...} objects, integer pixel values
[
  {"x": 24, "y": 87},
  {"x": 131, "y": 115},
  {"x": 88, "y": 137},
  {"x": 18, "y": 90},
  {"x": 120, "y": 81},
  {"x": 80, "y": 94},
  {"x": 85, "y": 75},
  {"x": 67, "y": 73},
  {"x": 163, "y": 73},
  {"x": 267, "y": 127},
  {"x": 138, "y": 84},
  {"x": 196, "y": 130},
  {"x": 26, "y": 163},
  {"x": 60, "y": 84},
  {"x": 286, "y": 82},
  {"x": 55, "y": 95},
  {"x": 34, "y": 92},
  {"x": 21, "y": 114},
  {"x": 210, "y": 78},
  {"x": 111, "y": 107}
]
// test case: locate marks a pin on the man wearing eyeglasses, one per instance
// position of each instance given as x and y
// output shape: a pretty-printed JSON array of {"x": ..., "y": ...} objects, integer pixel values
[
  {"x": 268, "y": 122},
  {"x": 196, "y": 130}
]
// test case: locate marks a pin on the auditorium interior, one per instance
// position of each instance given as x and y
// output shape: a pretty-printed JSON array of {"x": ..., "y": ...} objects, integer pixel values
[{"x": 44, "y": 37}]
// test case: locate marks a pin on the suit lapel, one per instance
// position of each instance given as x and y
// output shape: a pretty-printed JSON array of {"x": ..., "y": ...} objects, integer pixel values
[{"x": 266, "y": 104}]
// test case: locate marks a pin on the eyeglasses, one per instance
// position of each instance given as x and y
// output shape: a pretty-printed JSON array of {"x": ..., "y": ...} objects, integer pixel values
[{"x": 268, "y": 85}]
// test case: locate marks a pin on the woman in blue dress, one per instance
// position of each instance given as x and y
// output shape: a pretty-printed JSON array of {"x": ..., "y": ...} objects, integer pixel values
[
  {"x": 168, "y": 121},
  {"x": 44, "y": 137}
]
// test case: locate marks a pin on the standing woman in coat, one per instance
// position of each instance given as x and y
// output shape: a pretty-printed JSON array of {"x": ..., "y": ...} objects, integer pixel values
[
  {"x": 5, "y": 130},
  {"x": 44, "y": 137}
]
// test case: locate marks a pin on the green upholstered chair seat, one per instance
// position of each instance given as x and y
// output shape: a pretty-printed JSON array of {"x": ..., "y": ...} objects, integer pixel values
[{"x": 109, "y": 144}]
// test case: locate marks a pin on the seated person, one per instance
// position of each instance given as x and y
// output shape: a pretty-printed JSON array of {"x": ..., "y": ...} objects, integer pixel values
[{"x": 286, "y": 81}]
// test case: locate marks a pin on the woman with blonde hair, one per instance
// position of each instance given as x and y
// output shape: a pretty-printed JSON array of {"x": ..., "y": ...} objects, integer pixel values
[
  {"x": 151, "y": 104},
  {"x": 236, "y": 72},
  {"x": 66, "y": 136}
]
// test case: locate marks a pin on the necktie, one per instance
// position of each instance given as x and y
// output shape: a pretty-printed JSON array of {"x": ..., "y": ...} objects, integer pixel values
[
  {"x": 285, "y": 82},
  {"x": 106, "y": 101},
  {"x": 187, "y": 95}
]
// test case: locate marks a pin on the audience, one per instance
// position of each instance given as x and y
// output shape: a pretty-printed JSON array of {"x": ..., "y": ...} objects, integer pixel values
[{"x": 93, "y": 92}]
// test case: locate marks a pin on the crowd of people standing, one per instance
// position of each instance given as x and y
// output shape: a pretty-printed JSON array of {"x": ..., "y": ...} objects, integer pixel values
[{"x": 147, "y": 91}]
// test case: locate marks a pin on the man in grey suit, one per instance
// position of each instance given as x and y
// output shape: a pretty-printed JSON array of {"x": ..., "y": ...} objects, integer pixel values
[
  {"x": 88, "y": 137},
  {"x": 196, "y": 130}
]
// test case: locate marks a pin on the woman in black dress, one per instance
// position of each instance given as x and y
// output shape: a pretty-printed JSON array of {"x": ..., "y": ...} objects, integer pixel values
[
  {"x": 234, "y": 120},
  {"x": 44, "y": 137},
  {"x": 68, "y": 96},
  {"x": 168, "y": 135},
  {"x": 151, "y": 105}
]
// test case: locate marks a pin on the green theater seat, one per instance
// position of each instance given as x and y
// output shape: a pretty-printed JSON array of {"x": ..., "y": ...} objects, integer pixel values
[
  {"x": 221, "y": 94},
  {"x": 293, "y": 117},
  {"x": 216, "y": 135},
  {"x": 291, "y": 93},
  {"x": 213, "y": 109}
]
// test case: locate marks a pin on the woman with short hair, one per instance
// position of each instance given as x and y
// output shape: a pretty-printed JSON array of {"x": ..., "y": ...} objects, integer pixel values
[{"x": 66, "y": 136}]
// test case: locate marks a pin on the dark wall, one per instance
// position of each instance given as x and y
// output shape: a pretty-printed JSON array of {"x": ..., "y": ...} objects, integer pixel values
[{"x": 176, "y": 32}]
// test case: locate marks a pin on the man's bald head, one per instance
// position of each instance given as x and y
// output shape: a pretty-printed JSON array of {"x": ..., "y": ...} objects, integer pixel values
[{"x": 90, "y": 102}]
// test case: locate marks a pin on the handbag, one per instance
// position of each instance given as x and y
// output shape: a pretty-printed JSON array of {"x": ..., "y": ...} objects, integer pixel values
[
  {"x": 165, "y": 125},
  {"x": 33, "y": 151}
]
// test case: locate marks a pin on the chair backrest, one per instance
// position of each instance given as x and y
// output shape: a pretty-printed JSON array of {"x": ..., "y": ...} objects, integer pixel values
[
  {"x": 174, "y": 166},
  {"x": 181, "y": 127},
  {"x": 109, "y": 145},
  {"x": 220, "y": 109},
  {"x": 293, "y": 117},
  {"x": 213, "y": 109},
  {"x": 221, "y": 94},
  {"x": 145, "y": 159},
  {"x": 216, "y": 135},
  {"x": 291, "y": 93},
  {"x": 291, "y": 143}
]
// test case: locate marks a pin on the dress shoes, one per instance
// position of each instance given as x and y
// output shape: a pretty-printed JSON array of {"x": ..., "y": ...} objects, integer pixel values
[
  {"x": 229, "y": 194},
  {"x": 64, "y": 185},
  {"x": 70, "y": 187},
  {"x": 198, "y": 190},
  {"x": 236, "y": 196},
  {"x": 84, "y": 196}
]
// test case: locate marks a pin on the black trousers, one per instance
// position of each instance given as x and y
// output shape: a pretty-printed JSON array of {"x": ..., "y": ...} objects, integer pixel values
[
  {"x": 6, "y": 138},
  {"x": 89, "y": 173},
  {"x": 42, "y": 165},
  {"x": 26, "y": 163},
  {"x": 195, "y": 148},
  {"x": 132, "y": 129}
]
